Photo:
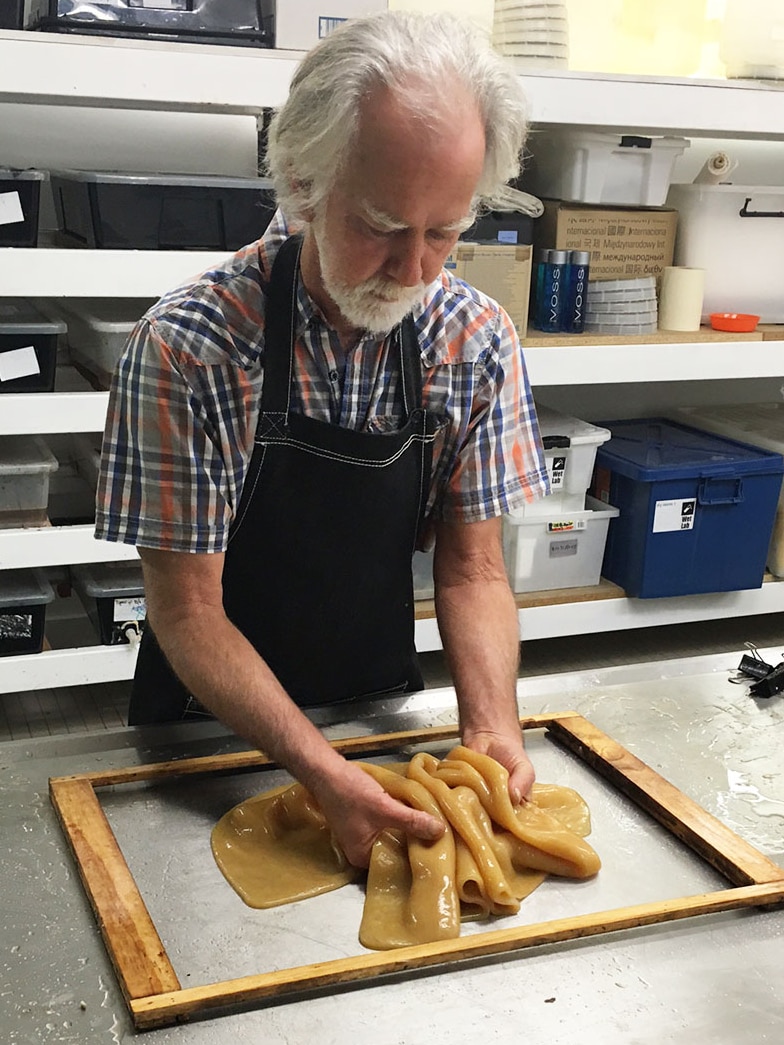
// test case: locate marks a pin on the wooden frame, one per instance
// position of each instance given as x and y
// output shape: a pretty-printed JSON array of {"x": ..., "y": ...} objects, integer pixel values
[{"x": 150, "y": 985}]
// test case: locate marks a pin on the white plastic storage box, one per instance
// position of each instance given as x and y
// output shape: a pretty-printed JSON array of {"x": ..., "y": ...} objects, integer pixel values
[
  {"x": 130, "y": 211},
  {"x": 604, "y": 167},
  {"x": 24, "y": 596},
  {"x": 559, "y": 550},
  {"x": 28, "y": 347},
  {"x": 759, "y": 424},
  {"x": 26, "y": 463},
  {"x": 569, "y": 450},
  {"x": 98, "y": 329},
  {"x": 20, "y": 196},
  {"x": 112, "y": 593},
  {"x": 736, "y": 234}
]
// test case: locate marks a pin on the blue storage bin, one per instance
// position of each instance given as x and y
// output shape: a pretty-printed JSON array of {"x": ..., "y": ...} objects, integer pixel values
[{"x": 696, "y": 510}]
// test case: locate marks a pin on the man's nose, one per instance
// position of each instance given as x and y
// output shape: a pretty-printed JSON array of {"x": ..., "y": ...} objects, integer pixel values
[{"x": 407, "y": 260}]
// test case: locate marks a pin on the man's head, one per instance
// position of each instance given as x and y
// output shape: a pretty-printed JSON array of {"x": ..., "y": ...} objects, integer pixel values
[
  {"x": 427, "y": 60},
  {"x": 397, "y": 127}
]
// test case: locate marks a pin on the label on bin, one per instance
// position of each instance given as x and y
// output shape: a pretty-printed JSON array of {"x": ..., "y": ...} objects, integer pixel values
[
  {"x": 669, "y": 516},
  {"x": 10, "y": 208},
  {"x": 560, "y": 549},
  {"x": 556, "y": 469},
  {"x": 18, "y": 362},
  {"x": 134, "y": 608},
  {"x": 564, "y": 525},
  {"x": 16, "y": 625}
]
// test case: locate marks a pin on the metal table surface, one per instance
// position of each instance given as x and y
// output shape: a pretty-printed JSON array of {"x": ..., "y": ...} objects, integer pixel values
[{"x": 711, "y": 979}]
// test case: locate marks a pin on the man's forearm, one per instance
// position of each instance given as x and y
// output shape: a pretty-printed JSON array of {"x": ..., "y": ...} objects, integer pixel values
[
  {"x": 224, "y": 672},
  {"x": 479, "y": 630}
]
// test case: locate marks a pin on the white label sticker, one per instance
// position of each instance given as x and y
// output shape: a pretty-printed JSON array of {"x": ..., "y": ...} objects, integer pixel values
[
  {"x": 10, "y": 208},
  {"x": 669, "y": 516},
  {"x": 556, "y": 469},
  {"x": 563, "y": 548},
  {"x": 134, "y": 608},
  {"x": 18, "y": 362}
]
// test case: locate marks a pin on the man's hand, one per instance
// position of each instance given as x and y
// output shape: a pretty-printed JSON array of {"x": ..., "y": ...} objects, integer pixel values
[
  {"x": 358, "y": 809},
  {"x": 508, "y": 750}
]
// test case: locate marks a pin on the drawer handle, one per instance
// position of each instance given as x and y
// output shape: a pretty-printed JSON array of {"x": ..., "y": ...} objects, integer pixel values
[{"x": 746, "y": 213}]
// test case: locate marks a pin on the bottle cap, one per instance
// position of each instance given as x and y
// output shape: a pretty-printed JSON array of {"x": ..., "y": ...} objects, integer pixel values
[
  {"x": 558, "y": 257},
  {"x": 580, "y": 257},
  {"x": 541, "y": 255}
]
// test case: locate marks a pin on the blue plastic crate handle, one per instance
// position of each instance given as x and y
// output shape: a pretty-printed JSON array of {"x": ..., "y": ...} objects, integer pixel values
[{"x": 718, "y": 490}]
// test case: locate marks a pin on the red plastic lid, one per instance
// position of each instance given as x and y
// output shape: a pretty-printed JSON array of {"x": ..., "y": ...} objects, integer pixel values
[{"x": 738, "y": 322}]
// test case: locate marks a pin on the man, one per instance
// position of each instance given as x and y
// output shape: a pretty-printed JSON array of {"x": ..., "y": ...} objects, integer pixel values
[{"x": 283, "y": 431}]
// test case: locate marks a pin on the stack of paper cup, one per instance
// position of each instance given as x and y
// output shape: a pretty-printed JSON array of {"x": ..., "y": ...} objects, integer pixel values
[
  {"x": 531, "y": 33},
  {"x": 621, "y": 306},
  {"x": 680, "y": 298}
]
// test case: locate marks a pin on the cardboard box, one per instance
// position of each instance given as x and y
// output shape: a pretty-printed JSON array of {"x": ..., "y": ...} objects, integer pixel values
[
  {"x": 501, "y": 271},
  {"x": 624, "y": 244},
  {"x": 299, "y": 26}
]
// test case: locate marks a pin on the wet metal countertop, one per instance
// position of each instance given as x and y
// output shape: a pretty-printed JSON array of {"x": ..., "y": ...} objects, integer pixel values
[{"x": 711, "y": 979}]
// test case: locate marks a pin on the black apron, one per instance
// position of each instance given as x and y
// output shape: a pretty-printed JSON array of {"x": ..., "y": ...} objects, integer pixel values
[{"x": 317, "y": 572}]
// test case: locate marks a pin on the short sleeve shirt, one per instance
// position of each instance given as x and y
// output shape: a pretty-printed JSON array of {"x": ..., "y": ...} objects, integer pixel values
[{"x": 185, "y": 396}]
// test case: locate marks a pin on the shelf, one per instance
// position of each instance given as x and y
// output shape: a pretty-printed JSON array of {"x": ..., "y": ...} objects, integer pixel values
[
  {"x": 552, "y": 614},
  {"x": 656, "y": 105},
  {"x": 57, "y": 546},
  {"x": 578, "y": 364},
  {"x": 61, "y": 272},
  {"x": 605, "y": 608},
  {"x": 51, "y": 69},
  {"x": 71, "y": 667},
  {"x": 47, "y": 413},
  {"x": 53, "y": 412}
]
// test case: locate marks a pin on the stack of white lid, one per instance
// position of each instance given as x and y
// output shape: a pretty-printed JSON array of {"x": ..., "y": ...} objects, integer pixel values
[
  {"x": 531, "y": 33},
  {"x": 622, "y": 306}
]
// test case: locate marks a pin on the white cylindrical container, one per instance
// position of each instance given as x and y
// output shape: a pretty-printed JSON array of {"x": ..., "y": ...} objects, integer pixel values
[{"x": 680, "y": 298}]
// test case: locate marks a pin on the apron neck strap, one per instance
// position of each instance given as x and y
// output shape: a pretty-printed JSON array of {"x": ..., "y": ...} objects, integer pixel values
[{"x": 280, "y": 331}]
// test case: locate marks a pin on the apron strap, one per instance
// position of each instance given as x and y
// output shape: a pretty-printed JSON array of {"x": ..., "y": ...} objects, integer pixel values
[{"x": 280, "y": 329}]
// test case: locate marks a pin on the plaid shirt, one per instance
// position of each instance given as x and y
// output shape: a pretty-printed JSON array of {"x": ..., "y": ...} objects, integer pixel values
[{"x": 185, "y": 399}]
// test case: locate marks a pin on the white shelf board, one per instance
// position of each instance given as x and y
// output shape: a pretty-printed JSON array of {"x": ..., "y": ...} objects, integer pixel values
[
  {"x": 606, "y": 615},
  {"x": 60, "y": 272},
  {"x": 57, "y": 546},
  {"x": 52, "y": 69},
  {"x": 614, "y": 364},
  {"x": 52, "y": 412},
  {"x": 71, "y": 667},
  {"x": 93, "y": 664},
  {"x": 655, "y": 105}
]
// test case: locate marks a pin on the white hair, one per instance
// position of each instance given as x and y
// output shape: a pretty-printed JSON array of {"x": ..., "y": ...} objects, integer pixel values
[{"x": 423, "y": 58}]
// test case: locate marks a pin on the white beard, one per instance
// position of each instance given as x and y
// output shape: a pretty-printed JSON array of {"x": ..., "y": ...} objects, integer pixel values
[{"x": 377, "y": 305}]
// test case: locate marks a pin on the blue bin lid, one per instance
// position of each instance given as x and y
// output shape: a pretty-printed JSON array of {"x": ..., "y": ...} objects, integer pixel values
[{"x": 652, "y": 449}]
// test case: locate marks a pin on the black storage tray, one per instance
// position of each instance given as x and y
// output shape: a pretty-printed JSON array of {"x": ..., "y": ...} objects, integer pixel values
[
  {"x": 505, "y": 227},
  {"x": 110, "y": 210},
  {"x": 24, "y": 596},
  {"x": 21, "y": 326},
  {"x": 249, "y": 23},
  {"x": 27, "y": 185}
]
